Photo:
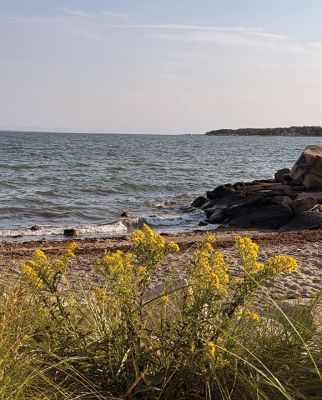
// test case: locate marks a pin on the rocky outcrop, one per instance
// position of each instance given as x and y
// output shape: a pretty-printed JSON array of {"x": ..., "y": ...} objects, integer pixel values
[
  {"x": 307, "y": 170},
  {"x": 291, "y": 201}
]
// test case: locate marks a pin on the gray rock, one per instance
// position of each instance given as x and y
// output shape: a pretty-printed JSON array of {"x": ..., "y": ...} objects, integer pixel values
[
  {"x": 217, "y": 217},
  {"x": 307, "y": 170},
  {"x": 284, "y": 200},
  {"x": 308, "y": 220},
  {"x": 280, "y": 175},
  {"x": 267, "y": 217},
  {"x": 316, "y": 195},
  {"x": 71, "y": 232},
  {"x": 248, "y": 203},
  {"x": 299, "y": 206},
  {"x": 220, "y": 192},
  {"x": 35, "y": 228},
  {"x": 199, "y": 202}
]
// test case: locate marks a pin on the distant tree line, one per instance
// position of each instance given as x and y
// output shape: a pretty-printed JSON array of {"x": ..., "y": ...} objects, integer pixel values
[{"x": 291, "y": 131}]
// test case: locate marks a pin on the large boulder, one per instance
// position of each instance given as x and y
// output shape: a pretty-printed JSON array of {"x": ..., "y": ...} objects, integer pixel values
[{"x": 307, "y": 170}]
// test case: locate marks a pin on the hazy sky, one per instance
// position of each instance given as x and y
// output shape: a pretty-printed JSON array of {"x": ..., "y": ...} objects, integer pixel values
[{"x": 159, "y": 66}]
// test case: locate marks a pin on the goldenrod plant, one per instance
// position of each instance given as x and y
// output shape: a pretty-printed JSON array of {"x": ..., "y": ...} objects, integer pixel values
[{"x": 215, "y": 337}]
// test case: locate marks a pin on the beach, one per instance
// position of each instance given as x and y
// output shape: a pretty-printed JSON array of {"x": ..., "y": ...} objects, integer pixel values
[{"x": 303, "y": 245}]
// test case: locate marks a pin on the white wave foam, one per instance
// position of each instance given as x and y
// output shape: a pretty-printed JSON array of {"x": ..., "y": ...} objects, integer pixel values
[
  {"x": 172, "y": 220},
  {"x": 113, "y": 229}
]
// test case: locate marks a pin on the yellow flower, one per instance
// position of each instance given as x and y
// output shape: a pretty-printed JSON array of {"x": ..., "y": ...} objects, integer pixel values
[
  {"x": 248, "y": 251},
  {"x": 252, "y": 315},
  {"x": 210, "y": 349},
  {"x": 165, "y": 299},
  {"x": 142, "y": 272},
  {"x": 39, "y": 254},
  {"x": 209, "y": 270},
  {"x": 281, "y": 263},
  {"x": 100, "y": 295},
  {"x": 209, "y": 237},
  {"x": 160, "y": 240},
  {"x": 149, "y": 248},
  {"x": 137, "y": 237},
  {"x": 70, "y": 249},
  {"x": 72, "y": 246},
  {"x": 172, "y": 247},
  {"x": 31, "y": 276},
  {"x": 59, "y": 265}
]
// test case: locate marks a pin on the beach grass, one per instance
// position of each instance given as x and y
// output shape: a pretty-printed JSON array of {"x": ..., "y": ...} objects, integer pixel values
[{"x": 214, "y": 337}]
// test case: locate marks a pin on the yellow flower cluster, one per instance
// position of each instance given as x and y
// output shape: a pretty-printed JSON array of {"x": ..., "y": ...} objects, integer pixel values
[
  {"x": 150, "y": 248},
  {"x": 281, "y": 263},
  {"x": 210, "y": 349},
  {"x": 118, "y": 272},
  {"x": 41, "y": 270},
  {"x": 70, "y": 250},
  {"x": 29, "y": 273},
  {"x": 127, "y": 274},
  {"x": 248, "y": 252},
  {"x": 116, "y": 263},
  {"x": 165, "y": 299},
  {"x": 242, "y": 312},
  {"x": 100, "y": 295},
  {"x": 252, "y": 315},
  {"x": 209, "y": 268},
  {"x": 215, "y": 353}
]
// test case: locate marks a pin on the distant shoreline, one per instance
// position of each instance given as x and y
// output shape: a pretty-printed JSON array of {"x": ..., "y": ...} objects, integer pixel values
[{"x": 297, "y": 131}]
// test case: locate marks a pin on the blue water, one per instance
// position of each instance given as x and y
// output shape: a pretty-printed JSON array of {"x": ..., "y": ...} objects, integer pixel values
[{"x": 57, "y": 180}]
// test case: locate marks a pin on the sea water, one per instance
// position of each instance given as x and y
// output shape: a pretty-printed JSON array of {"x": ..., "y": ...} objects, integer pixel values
[{"x": 85, "y": 181}]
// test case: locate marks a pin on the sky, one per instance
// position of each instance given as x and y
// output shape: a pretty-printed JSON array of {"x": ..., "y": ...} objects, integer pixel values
[{"x": 152, "y": 66}]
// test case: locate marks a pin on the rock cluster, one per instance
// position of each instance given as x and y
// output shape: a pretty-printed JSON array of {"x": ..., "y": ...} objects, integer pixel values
[{"x": 290, "y": 201}]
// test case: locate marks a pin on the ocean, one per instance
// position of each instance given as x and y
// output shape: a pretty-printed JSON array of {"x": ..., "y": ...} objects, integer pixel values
[{"x": 86, "y": 181}]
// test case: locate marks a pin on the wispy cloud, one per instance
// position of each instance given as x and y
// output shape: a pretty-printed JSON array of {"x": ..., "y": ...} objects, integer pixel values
[
  {"x": 75, "y": 13},
  {"x": 96, "y": 27},
  {"x": 116, "y": 16},
  {"x": 230, "y": 37},
  {"x": 180, "y": 27}
]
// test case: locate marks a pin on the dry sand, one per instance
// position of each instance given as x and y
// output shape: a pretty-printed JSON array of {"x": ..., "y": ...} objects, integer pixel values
[
  {"x": 305, "y": 246},
  {"x": 298, "y": 287}
]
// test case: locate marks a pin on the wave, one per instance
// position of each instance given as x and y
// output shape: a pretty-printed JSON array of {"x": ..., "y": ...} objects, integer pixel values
[
  {"x": 51, "y": 232},
  {"x": 183, "y": 220}
]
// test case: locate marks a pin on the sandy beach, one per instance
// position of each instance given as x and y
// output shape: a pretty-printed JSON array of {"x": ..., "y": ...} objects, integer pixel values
[{"x": 305, "y": 246}]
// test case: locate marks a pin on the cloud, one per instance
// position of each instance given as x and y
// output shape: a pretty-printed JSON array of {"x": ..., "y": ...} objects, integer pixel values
[
  {"x": 116, "y": 16},
  {"x": 236, "y": 38},
  {"x": 95, "y": 27},
  {"x": 75, "y": 13}
]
